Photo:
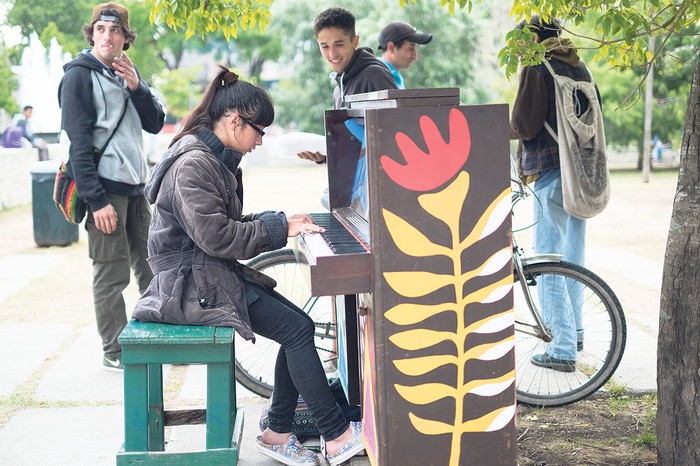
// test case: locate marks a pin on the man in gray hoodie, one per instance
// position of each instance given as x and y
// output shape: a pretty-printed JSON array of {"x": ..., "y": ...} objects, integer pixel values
[{"x": 105, "y": 103}]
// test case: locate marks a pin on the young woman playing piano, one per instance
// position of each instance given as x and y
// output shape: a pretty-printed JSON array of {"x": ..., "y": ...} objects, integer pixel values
[{"x": 196, "y": 238}]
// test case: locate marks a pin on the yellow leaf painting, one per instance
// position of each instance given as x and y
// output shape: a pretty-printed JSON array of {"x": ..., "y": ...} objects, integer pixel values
[{"x": 496, "y": 282}]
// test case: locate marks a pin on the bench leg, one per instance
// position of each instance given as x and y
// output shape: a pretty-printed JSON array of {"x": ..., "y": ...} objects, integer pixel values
[
  {"x": 221, "y": 405},
  {"x": 156, "y": 416},
  {"x": 135, "y": 407}
]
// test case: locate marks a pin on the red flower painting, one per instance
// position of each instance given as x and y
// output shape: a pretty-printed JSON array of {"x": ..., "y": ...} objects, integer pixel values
[{"x": 425, "y": 171}]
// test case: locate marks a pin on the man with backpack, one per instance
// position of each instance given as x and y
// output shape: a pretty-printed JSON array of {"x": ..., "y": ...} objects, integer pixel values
[
  {"x": 105, "y": 105},
  {"x": 557, "y": 231}
]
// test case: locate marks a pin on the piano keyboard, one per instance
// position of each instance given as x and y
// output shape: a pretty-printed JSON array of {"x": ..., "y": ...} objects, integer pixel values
[
  {"x": 337, "y": 261},
  {"x": 337, "y": 236}
]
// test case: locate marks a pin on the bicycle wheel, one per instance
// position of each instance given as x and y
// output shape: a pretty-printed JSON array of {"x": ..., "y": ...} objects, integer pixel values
[
  {"x": 604, "y": 337},
  {"x": 255, "y": 363}
]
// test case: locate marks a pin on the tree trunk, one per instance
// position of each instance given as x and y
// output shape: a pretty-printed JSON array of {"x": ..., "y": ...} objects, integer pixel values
[{"x": 678, "y": 379}]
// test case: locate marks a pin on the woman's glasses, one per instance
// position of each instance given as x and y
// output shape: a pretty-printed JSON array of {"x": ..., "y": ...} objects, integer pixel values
[{"x": 250, "y": 123}]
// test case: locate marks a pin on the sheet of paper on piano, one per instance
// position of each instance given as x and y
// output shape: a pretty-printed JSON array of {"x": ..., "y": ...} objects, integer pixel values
[{"x": 290, "y": 144}]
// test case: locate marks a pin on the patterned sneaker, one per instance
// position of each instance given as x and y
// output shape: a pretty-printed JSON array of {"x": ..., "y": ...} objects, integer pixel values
[
  {"x": 292, "y": 453},
  {"x": 112, "y": 365},
  {"x": 351, "y": 448}
]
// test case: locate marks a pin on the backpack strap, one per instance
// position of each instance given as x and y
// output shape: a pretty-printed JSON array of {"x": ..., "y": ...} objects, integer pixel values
[
  {"x": 98, "y": 155},
  {"x": 547, "y": 126},
  {"x": 549, "y": 67}
]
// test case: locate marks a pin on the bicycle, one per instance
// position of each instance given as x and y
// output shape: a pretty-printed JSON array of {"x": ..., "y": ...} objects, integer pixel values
[{"x": 602, "y": 320}]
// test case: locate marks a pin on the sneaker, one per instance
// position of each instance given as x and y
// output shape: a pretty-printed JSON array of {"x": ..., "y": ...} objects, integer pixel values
[
  {"x": 579, "y": 346},
  {"x": 112, "y": 365},
  {"x": 352, "y": 447},
  {"x": 292, "y": 453},
  {"x": 548, "y": 362}
]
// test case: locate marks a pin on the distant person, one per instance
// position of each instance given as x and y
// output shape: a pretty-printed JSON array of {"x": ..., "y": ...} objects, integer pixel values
[
  {"x": 658, "y": 147},
  {"x": 557, "y": 231},
  {"x": 102, "y": 96},
  {"x": 21, "y": 120},
  {"x": 197, "y": 238},
  {"x": 399, "y": 44},
  {"x": 356, "y": 70}
]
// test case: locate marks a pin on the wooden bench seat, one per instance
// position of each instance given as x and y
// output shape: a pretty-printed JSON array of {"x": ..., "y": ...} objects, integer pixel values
[{"x": 145, "y": 348}]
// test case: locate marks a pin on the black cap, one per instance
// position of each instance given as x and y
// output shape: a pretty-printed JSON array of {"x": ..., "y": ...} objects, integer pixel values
[{"x": 396, "y": 31}]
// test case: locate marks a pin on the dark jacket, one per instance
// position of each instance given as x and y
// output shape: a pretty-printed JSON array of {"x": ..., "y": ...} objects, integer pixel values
[
  {"x": 536, "y": 103},
  {"x": 364, "y": 73},
  {"x": 92, "y": 99},
  {"x": 198, "y": 234}
]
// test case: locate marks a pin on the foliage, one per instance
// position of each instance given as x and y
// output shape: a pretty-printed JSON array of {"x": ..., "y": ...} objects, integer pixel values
[
  {"x": 620, "y": 27},
  {"x": 62, "y": 18},
  {"x": 8, "y": 83},
  {"x": 302, "y": 96},
  {"x": 622, "y": 109},
  {"x": 251, "y": 47},
  {"x": 436, "y": 65},
  {"x": 612, "y": 38},
  {"x": 180, "y": 91},
  {"x": 203, "y": 17},
  {"x": 147, "y": 51}
]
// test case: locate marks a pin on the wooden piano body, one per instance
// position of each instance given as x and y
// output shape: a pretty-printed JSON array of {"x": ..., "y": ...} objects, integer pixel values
[{"x": 424, "y": 306}]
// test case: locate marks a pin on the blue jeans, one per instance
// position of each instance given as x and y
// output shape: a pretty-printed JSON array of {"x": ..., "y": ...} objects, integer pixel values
[
  {"x": 558, "y": 232},
  {"x": 298, "y": 369}
]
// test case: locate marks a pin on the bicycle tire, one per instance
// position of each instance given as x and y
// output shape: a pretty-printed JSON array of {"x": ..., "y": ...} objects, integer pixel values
[
  {"x": 255, "y": 363},
  {"x": 605, "y": 335}
]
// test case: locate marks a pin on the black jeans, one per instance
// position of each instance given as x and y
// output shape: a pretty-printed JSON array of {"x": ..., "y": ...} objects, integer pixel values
[{"x": 298, "y": 370}]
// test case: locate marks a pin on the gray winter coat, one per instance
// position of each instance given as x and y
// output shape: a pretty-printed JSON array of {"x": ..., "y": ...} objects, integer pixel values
[{"x": 196, "y": 237}]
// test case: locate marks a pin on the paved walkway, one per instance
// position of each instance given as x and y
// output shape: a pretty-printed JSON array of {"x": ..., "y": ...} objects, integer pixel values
[{"x": 57, "y": 406}]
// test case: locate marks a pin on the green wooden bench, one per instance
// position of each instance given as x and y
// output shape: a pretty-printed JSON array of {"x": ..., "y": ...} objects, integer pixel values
[{"x": 145, "y": 348}]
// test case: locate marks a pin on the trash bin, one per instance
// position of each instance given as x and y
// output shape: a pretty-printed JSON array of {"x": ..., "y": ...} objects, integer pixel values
[{"x": 50, "y": 228}]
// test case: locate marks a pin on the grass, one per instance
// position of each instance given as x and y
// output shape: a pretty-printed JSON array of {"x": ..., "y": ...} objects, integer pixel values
[{"x": 647, "y": 437}]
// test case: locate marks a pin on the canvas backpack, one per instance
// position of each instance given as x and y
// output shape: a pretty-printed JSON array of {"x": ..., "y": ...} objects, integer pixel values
[{"x": 581, "y": 140}]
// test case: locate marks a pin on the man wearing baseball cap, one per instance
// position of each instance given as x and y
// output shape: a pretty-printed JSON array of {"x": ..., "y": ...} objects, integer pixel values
[
  {"x": 105, "y": 105},
  {"x": 398, "y": 41}
]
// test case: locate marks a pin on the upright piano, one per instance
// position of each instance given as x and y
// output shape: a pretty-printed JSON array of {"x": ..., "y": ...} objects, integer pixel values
[{"x": 419, "y": 191}]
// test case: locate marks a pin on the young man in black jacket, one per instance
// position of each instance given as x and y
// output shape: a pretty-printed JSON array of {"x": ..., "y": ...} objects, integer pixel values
[
  {"x": 356, "y": 70},
  {"x": 98, "y": 87}
]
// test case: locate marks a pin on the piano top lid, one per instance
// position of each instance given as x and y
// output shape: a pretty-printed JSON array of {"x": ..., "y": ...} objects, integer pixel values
[{"x": 388, "y": 94}]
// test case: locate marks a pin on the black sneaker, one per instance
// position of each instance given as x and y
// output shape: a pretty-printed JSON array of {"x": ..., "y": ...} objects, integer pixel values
[
  {"x": 548, "y": 362},
  {"x": 112, "y": 365},
  {"x": 579, "y": 346}
]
